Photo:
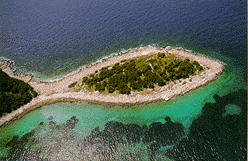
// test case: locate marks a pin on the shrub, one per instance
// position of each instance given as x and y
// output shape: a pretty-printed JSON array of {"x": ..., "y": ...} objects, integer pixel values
[
  {"x": 117, "y": 68},
  {"x": 104, "y": 83},
  {"x": 72, "y": 85},
  {"x": 90, "y": 83},
  {"x": 124, "y": 89},
  {"x": 103, "y": 69},
  {"x": 110, "y": 89},
  {"x": 196, "y": 64},
  {"x": 161, "y": 55},
  {"x": 91, "y": 75},
  {"x": 96, "y": 78},
  {"x": 100, "y": 87},
  {"x": 135, "y": 85},
  {"x": 161, "y": 83},
  {"x": 146, "y": 68},
  {"x": 85, "y": 80},
  {"x": 121, "y": 85},
  {"x": 151, "y": 85}
]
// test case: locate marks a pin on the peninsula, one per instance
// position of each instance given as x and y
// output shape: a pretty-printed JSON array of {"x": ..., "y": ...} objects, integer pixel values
[{"x": 163, "y": 69}]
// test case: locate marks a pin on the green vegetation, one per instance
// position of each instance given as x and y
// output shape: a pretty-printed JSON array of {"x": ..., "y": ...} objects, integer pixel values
[
  {"x": 142, "y": 72},
  {"x": 72, "y": 85},
  {"x": 14, "y": 93}
]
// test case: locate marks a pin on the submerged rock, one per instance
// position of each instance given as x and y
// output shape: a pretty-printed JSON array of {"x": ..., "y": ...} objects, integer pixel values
[
  {"x": 213, "y": 137},
  {"x": 41, "y": 123},
  {"x": 116, "y": 133},
  {"x": 134, "y": 133},
  {"x": 12, "y": 141},
  {"x": 152, "y": 149},
  {"x": 28, "y": 135},
  {"x": 52, "y": 125}
]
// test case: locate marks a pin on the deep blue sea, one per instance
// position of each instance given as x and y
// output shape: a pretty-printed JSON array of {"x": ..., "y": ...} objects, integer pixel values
[
  {"x": 62, "y": 35},
  {"x": 52, "y": 38}
]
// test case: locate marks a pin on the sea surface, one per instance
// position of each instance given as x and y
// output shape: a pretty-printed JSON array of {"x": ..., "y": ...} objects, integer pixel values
[{"x": 51, "y": 38}]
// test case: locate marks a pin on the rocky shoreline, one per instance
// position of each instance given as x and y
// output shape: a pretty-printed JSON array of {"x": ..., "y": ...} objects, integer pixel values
[
  {"x": 8, "y": 67},
  {"x": 58, "y": 89}
]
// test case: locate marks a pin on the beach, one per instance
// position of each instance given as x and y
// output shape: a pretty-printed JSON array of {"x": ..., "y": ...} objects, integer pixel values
[{"x": 58, "y": 89}]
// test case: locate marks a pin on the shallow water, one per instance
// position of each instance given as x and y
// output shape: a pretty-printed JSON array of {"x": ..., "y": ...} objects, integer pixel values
[
  {"x": 183, "y": 109},
  {"x": 53, "y": 38}
]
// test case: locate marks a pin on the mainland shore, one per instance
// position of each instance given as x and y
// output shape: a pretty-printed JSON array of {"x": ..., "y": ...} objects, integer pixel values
[{"x": 58, "y": 89}]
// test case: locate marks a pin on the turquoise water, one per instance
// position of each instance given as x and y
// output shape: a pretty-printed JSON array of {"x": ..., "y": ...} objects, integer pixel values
[
  {"x": 183, "y": 109},
  {"x": 53, "y": 38},
  {"x": 232, "y": 110}
]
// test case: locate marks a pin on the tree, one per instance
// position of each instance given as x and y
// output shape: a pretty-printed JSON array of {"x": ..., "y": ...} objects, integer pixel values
[
  {"x": 124, "y": 89},
  {"x": 196, "y": 64},
  {"x": 13, "y": 93},
  {"x": 130, "y": 65},
  {"x": 161, "y": 83},
  {"x": 151, "y": 85},
  {"x": 85, "y": 80},
  {"x": 161, "y": 55},
  {"x": 110, "y": 88},
  {"x": 117, "y": 68},
  {"x": 200, "y": 68},
  {"x": 136, "y": 85},
  {"x": 91, "y": 75},
  {"x": 140, "y": 73},
  {"x": 72, "y": 85},
  {"x": 99, "y": 87}
]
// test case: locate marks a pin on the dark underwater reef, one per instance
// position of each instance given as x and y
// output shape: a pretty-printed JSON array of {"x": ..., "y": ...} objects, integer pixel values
[
  {"x": 154, "y": 136},
  {"x": 212, "y": 136},
  {"x": 20, "y": 147}
]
